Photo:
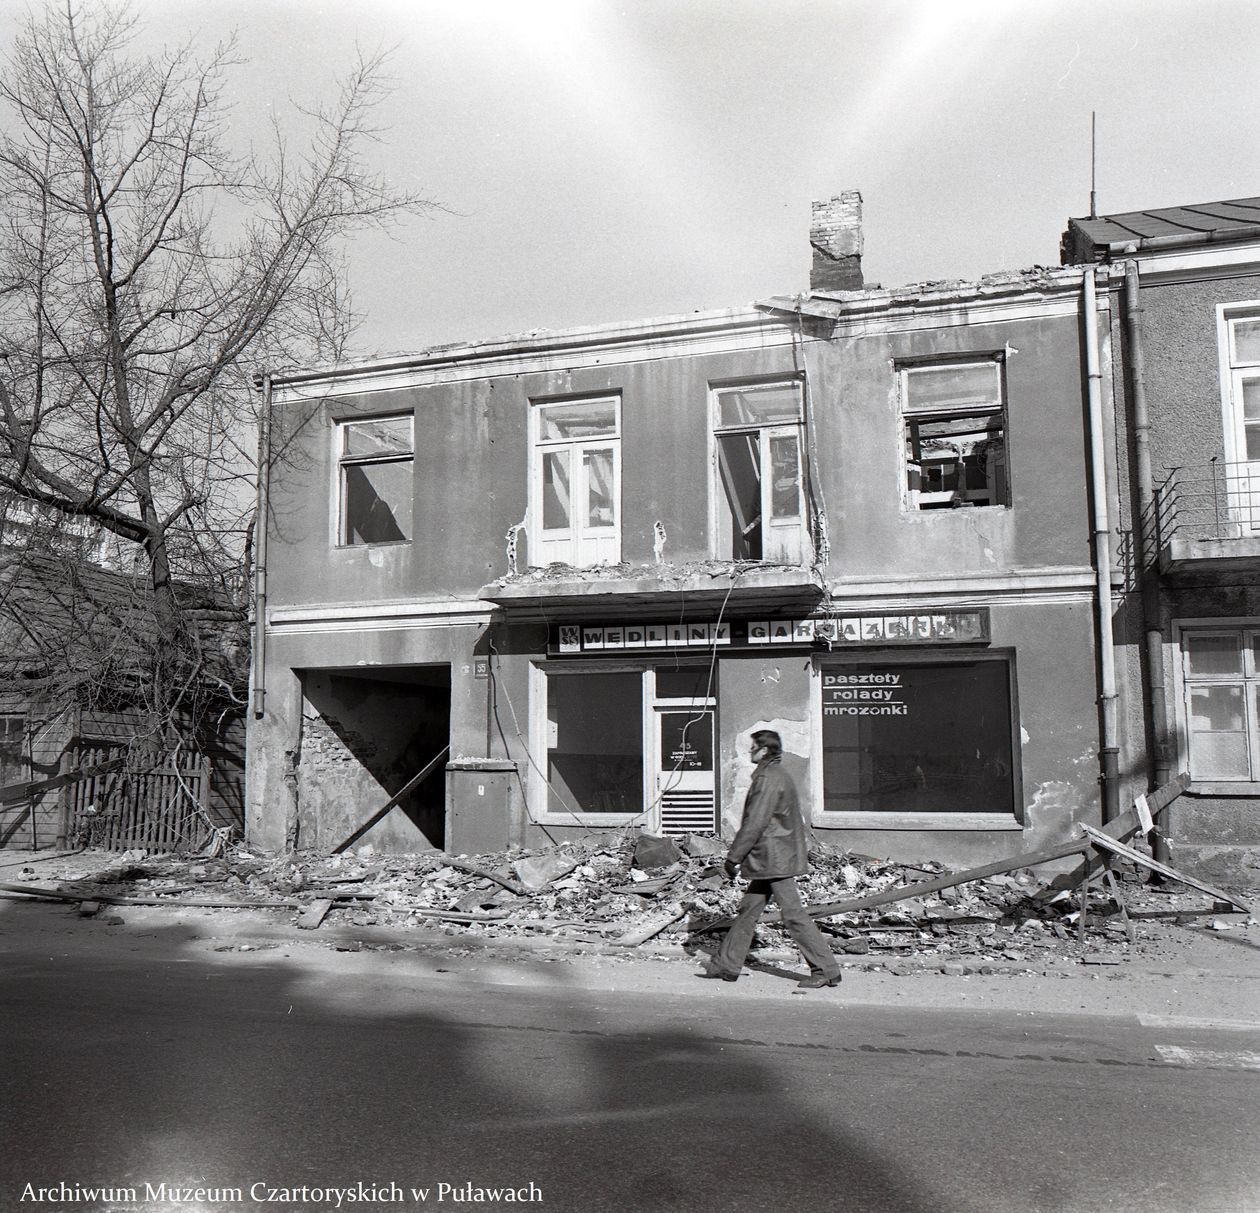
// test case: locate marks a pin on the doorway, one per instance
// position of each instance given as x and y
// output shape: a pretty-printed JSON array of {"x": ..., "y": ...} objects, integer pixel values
[{"x": 684, "y": 711}]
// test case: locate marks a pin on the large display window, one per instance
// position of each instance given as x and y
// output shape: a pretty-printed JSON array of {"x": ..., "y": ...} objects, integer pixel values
[{"x": 918, "y": 739}]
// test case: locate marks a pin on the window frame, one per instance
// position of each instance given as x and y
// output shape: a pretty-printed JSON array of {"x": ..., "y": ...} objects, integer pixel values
[
  {"x": 539, "y": 538},
  {"x": 539, "y": 792},
  {"x": 1241, "y": 626},
  {"x": 910, "y": 498},
  {"x": 855, "y": 820},
  {"x": 23, "y": 769},
  {"x": 720, "y": 535},
  {"x": 341, "y": 428},
  {"x": 1243, "y": 487}
]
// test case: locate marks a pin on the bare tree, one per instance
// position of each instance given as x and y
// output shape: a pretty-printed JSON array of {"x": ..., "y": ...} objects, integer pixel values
[{"x": 145, "y": 270}]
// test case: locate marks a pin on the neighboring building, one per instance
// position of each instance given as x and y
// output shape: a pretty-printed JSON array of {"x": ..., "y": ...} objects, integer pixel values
[
  {"x": 1186, "y": 334},
  {"x": 579, "y": 569},
  {"x": 72, "y": 691}
]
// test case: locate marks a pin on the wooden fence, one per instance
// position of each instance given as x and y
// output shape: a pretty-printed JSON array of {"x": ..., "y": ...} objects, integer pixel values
[{"x": 152, "y": 806}]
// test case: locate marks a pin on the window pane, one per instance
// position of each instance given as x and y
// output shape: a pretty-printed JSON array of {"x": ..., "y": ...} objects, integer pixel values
[
  {"x": 599, "y": 488},
  {"x": 379, "y": 436},
  {"x": 785, "y": 478},
  {"x": 766, "y": 404},
  {"x": 930, "y": 738},
  {"x": 1247, "y": 340},
  {"x": 686, "y": 741},
  {"x": 1216, "y": 709},
  {"x": 579, "y": 419},
  {"x": 1208, "y": 656},
  {"x": 556, "y": 494},
  {"x": 739, "y": 462},
  {"x": 595, "y": 750},
  {"x": 689, "y": 682},
  {"x": 944, "y": 387},
  {"x": 377, "y": 502}
]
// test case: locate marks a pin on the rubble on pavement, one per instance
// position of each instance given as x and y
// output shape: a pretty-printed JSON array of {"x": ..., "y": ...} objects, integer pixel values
[{"x": 623, "y": 892}]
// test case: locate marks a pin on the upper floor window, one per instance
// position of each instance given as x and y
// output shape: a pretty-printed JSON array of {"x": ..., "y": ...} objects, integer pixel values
[
  {"x": 760, "y": 491},
  {"x": 576, "y": 482},
  {"x": 955, "y": 434},
  {"x": 1244, "y": 387},
  {"x": 375, "y": 477},
  {"x": 1221, "y": 687}
]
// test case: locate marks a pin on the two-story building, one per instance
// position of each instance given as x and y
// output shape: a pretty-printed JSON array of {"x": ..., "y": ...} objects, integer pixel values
[
  {"x": 572, "y": 571},
  {"x": 1185, "y": 289}
]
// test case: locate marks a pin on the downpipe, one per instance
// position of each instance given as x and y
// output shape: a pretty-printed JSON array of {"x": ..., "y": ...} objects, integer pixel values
[
  {"x": 262, "y": 511},
  {"x": 1110, "y": 750}
]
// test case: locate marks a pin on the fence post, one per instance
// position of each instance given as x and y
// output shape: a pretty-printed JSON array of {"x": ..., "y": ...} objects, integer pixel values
[{"x": 63, "y": 801}]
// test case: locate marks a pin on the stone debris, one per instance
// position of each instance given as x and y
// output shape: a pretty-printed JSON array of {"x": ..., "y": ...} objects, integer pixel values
[{"x": 636, "y": 888}]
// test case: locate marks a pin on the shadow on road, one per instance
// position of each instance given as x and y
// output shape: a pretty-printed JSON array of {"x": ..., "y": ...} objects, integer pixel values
[{"x": 164, "y": 1065}]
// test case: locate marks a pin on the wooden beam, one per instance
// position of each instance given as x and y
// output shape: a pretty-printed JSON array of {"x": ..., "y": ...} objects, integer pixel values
[
  {"x": 1099, "y": 839},
  {"x": 18, "y": 793},
  {"x": 391, "y": 803}
]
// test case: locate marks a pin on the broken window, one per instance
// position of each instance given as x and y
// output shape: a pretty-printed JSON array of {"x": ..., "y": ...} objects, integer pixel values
[
  {"x": 760, "y": 490},
  {"x": 1221, "y": 676},
  {"x": 376, "y": 473},
  {"x": 595, "y": 742},
  {"x": 931, "y": 737},
  {"x": 577, "y": 483},
  {"x": 955, "y": 435}
]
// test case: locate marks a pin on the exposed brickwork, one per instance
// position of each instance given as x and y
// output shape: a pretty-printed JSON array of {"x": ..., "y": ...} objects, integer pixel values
[{"x": 835, "y": 236}]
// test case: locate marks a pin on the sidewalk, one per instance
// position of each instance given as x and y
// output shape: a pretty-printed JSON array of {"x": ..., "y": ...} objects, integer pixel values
[{"x": 1181, "y": 969}]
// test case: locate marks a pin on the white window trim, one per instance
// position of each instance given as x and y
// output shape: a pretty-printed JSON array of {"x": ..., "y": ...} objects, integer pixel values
[
  {"x": 1174, "y": 658},
  {"x": 1231, "y": 374},
  {"x": 534, "y": 478},
  {"x": 957, "y": 822},
  {"x": 338, "y": 536},
  {"x": 716, "y": 429},
  {"x": 539, "y": 793},
  {"x": 909, "y": 497}
]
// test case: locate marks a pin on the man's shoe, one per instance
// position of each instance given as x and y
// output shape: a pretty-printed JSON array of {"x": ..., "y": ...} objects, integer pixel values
[
  {"x": 712, "y": 971},
  {"x": 816, "y": 981}
]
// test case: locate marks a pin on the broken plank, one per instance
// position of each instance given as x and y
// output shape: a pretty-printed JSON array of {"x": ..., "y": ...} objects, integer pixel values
[
  {"x": 652, "y": 926},
  {"x": 463, "y": 865},
  {"x": 34, "y": 891},
  {"x": 314, "y": 914},
  {"x": 1027, "y": 859},
  {"x": 1100, "y": 839},
  {"x": 391, "y": 803}
]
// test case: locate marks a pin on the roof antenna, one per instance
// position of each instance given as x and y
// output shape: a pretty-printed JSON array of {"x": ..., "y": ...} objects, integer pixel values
[{"x": 1093, "y": 164}]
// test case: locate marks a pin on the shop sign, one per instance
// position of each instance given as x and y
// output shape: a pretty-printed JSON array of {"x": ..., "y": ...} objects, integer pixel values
[{"x": 830, "y": 631}]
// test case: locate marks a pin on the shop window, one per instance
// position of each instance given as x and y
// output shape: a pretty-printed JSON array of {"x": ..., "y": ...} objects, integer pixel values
[
  {"x": 918, "y": 738},
  {"x": 595, "y": 742},
  {"x": 576, "y": 483},
  {"x": 760, "y": 487},
  {"x": 375, "y": 480},
  {"x": 955, "y": 435},
  {"x": 1221, "y": 686}
]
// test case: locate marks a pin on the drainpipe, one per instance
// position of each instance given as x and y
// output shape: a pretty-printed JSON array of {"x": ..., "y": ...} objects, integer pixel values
[
  {"x": 1147, "y": 536},
  {"x": 262, "y": 382},
  {"x": 1102, "y": 556}
]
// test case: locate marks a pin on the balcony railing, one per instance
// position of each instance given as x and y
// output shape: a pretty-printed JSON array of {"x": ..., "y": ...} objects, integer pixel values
[{"x": 1211, "y": 501}]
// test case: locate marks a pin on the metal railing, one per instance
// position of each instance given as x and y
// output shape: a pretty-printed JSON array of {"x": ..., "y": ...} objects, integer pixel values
[{"x": 1217, "y": 500}]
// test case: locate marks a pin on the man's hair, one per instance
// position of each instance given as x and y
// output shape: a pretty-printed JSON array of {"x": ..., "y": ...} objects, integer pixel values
[{"x": 770, "y": 739}]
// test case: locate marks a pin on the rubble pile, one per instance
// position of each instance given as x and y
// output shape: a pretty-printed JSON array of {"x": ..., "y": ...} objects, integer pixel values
[{"x": 627, "y": 891}]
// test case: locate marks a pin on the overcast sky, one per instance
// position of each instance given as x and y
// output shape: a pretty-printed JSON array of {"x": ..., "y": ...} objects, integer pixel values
[{"x": 603, "y": 161}]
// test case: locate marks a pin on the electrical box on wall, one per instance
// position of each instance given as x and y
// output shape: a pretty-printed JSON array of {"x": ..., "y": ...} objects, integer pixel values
[{"x": 483, "y": 805}]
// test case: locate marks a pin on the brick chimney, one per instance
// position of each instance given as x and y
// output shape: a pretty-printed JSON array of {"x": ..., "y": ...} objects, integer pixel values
[{"x": 835, "y": 235}]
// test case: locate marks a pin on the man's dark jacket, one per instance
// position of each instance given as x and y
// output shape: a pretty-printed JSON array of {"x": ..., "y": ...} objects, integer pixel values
[{"x": 771, "y": 840}]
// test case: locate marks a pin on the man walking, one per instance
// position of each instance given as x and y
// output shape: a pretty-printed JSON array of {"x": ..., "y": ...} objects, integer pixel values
[{"x": 772, "y": 850}]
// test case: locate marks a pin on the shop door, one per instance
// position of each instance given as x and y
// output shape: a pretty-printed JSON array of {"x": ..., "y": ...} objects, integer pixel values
[{"x": 683, "y": 753}]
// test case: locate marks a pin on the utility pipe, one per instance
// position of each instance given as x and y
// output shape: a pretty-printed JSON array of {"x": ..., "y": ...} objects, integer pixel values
[
  {"x": 1147, "y": 530},
  {"x": 1102, "y": 555},
  {"x": 262, "y": 511}
]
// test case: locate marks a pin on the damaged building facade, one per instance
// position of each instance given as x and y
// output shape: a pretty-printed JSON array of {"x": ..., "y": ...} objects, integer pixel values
[
  {"x": 1184, "y": 284},
  {"x": 568, "y": 574}
]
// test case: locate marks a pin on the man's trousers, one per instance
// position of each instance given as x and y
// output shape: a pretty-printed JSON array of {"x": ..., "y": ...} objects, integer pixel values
[{"x": 808, "y": 938}]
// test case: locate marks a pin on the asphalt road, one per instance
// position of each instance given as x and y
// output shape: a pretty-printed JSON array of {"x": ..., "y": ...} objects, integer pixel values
[{"x": 133, "y": 1069}]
